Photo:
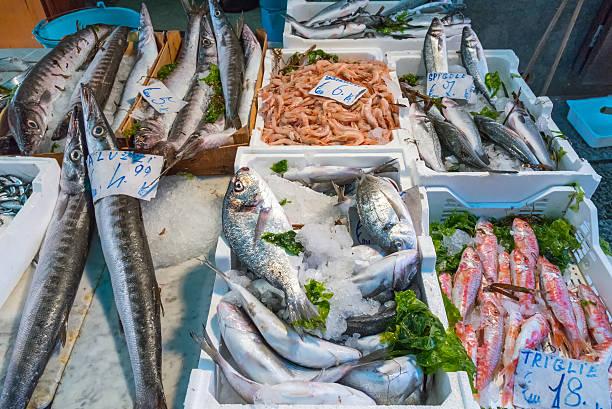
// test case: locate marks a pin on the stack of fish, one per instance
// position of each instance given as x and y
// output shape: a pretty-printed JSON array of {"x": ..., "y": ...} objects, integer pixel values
[
  {"x": 407, "y": 19},
  {"x": 14, "y": 192},
  {"x": 281, "y": 364},
  {"x": 546, "y": 310}
]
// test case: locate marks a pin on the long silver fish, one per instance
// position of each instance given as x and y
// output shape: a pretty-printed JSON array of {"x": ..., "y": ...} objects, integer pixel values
[
  {"x": 340, "y": 175},
  {"x": 506, "y": 138},
  {"x": 426, "y": 138},
  {"x": 339, "y": 30},
  {"x": 464, "y": 122},
  {"x": 231, "y": 63},
  {"x": 336, "y": 10},
  {"x": 99, "y": 76},
  {"x": 434, "y": 48},
  {"x": 147, "y": 53},
  {"x": 57, "y": 276},
  {"x": 395, "y": 272},
  {"x": 252, "y": 54},
  {"x": 384, "y": 215},
  {"x": 403, "y": 5},
  {"x": 306, "y": 350},
  {"x": 286, "y": 393},
  {"x": 31, "y": 109},
  {"x": 520, "y": 120},
  {"x": 250, "y": 209},
  {"x": 474, "y": 61},
  {"x": 387, "y": 382},
  {"x": 128, "y": 259}
]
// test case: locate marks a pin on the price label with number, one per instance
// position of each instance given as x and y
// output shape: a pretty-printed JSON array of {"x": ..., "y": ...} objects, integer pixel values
[
  {"x": 553, "y": 382},
  {"x": 161, "y": 98},
  {"x": 450, "y": 85},
  {"x": 342, "y": 91},
  {"x": 124, "y": 173}
]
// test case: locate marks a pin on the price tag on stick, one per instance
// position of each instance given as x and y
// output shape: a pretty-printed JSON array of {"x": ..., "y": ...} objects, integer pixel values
[
  {"x": 161, "y": 98},
  {"x": 124, "y": 173},
  {"x": 553, "y": 382},
  {"x": 342, "y": 91},
  {"x": 450, "y": 85}
]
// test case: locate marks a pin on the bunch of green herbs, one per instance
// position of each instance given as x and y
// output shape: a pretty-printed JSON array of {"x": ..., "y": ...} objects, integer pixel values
[
  {"x": 285, "y": 240},
  {"x": 318, "y": 296}
]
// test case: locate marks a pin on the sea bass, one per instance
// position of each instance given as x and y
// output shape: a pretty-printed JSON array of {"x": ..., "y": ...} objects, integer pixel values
[
  {"x": 596, "y": 315},
  {"x": 492, "y": 327},
  {"x": 426, "y": 138},
  {"x": 464, "y": 122},
  {"x": 525, "y": 240},
  {"x": 128, "y": 259},
  {"x": 339, "y": 30},
  {"x": 147, "y": 53},
  {"x": 395, "y": 271},
  {"x": 384, "y": 214},
  {"x": 520, "y": 120},
  {"x": 250, "y": 209},
  {"x": 231, "y": 63},
  {"x": 434, "y": 48},
  {"x": 60, "y": 266},
  {"x": 467, "y": 281},
  {"x": 468, "y": 338},
  {"x": 487, "y": 249},
  {"x": 474, "y": 60},
  {"x": 31, "y": 109},
  {"x": 506, "y": 138}
]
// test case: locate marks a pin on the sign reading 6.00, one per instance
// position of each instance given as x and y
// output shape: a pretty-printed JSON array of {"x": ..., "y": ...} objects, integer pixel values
[
  {"x": 450, "y": 85},
  {"x": 342, "y": 91}
]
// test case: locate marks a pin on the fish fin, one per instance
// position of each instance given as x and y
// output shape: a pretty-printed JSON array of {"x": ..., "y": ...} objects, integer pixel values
[
  {"x": 120, "y": 324},
  {"x": 206, "y": 344},
  {"x": 262, "y": 221},
  {"x": 339, "y": 192},
  {"x": 398, "y": 211},
  {"x": 45, "y": 97},
  {"x": 61, "y": 130},
  {"x": 379, "y": 354},
  {"x": 159, "y": 300},
  {"x": 388, "y": 166},
  {"x": 217, "y": 271},
  {"x": 62, "y": 335},
  {"x": 239, "y": 25}
]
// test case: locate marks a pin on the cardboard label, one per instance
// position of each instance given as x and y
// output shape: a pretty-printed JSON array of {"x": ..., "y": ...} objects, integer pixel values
[
  {"x": 450, "y": 85},
  {"x": 553, "y": 382},
  {"x": 342, "y": 91},
  {"x": 161, "y": 98},
  {"x": 124, "y": 173}
]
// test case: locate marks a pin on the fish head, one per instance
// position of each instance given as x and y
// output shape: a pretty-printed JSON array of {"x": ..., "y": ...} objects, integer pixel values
[
  {"x": 216, "y": 14},
  {"x": 145, "y": 28},
  {"x": 484, "y": 226},
  {"x": 406, "y": 267},
  {"x": 230, "y": 316},
  {"x": 207, "y": 52},
  {"x": 436, "y": 29},
  {"x": 28, "y": 123},
  {"x": 402, "y": 237},
  {"x": 98, "y": 133},
  {"x": 245, "y": 190},
  {"x": 519, "y": 226},
  {"x": 470, "y": 255},
  {"x": 354, "y": 28},
  {"x": 74, "y": 170},
  {"x": 469, "y": 37}
]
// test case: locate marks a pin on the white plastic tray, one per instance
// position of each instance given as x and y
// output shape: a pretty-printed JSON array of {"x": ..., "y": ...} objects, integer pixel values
[
  {"x": 303, "y": 10},
  {"x": 20, "y": 241},
  {"x": 476, "y": 186},
  {"x": 363, "y": 53}
]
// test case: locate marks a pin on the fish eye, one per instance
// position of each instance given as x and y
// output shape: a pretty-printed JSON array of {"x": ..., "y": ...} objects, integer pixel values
[
  {"x": 207, "y": 42},
  {"x": 398, "y": 244},
  {"x": 238, "y": 187},
  {"x": 217, "y": 13},
  {"x": 75, "y": 155},
  {"x": 32, "y": 124},
  {"x": 98, "y": 130}
]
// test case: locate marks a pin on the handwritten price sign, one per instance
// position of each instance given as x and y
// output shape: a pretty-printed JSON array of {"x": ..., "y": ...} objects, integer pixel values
[
  {"x": 124, "y": 173},
  {"x": 161, "y": 98},
  {"x": 450, "y": 85},
  {"x": 552, "y": 382},
  {"x": 342, "y": 91}
]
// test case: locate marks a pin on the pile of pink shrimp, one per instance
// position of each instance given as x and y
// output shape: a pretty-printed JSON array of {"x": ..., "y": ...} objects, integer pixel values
[{"x": 293, "y": 116}]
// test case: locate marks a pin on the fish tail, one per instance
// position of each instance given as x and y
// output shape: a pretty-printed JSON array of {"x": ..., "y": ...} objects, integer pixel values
[
  {"x": 388, "y": 166},
  {"x": 289, "y": 18},
  {"x": 205, "y": 343},
  {"x": 191, "y": 7},
  {"x": 300, "y": 307},
  {"x": 233, "y": 123}
]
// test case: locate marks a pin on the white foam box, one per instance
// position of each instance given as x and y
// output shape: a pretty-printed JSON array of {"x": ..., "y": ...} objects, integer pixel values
[
  {"x": 343, "y": 54},
  {"x": 303, "y": 10},
  {"x": 501, "y": 188},
  {"x": 208, "y": 388},
  {"x": 20, "y": 240}
]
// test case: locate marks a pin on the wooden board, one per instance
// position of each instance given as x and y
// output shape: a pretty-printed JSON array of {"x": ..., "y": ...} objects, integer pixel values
[{"x": 17, "y": 19}]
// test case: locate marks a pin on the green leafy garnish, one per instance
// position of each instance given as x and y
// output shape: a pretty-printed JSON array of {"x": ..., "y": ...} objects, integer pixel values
[
  {"x": 493, "y": 82},
  {"x": 319, "y": 296},
  {"x": 165, "y": 71},
  {"x": 417, "y": 331},
  {"x": 504, "y": 238},
  {"x": 457, "y": 220},
  {"x": 187, "y": 175},
  {"x": 558, "y": 134},
  {"x": 452, "y": 312},
  {"x": 488, "y": 112},
  {"x": 513, "y": 75},
  {"x": 131, "y": 131},
  {"x": 411, "y": 79},
  {"x": 284, "y": 202},
  {"x": 316, "y": 55},
  {"x": 54, "y": 146},
  {"x": 556, "y": 240},
  {"x": 285, "y": 240},
  {"x": 214, "y": 78},
  {"x": 216, "y": 108},
  {"x": 559, "y": 154},
  {"x": 577, "y": 196},
  {"x": 280, "y": 166},
  {"x": 605, "y": 247},
  {"x": 586, "y": 303}
]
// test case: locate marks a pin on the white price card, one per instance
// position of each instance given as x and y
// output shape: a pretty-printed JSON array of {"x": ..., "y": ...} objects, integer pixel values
[
  {"x": 553, "y": 382},
  {"x": 124, "y": 173},
  {"x": 450, "y": 85},
  {"x": 161, "y": 98},
  {"x": 342, "y": 91}
]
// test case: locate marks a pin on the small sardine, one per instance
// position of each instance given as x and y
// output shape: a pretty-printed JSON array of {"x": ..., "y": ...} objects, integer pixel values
[
  {"x": 434, "y": 48},
  {"x": 464, "y": 122},
  {"x": 467, "y": 281},
  {"x": 370, "y": 343},
  {"x": 395, "y": 271},
  {"x": 371, "y": 324},
  {"x": 506, "y": 138},
  {"x": 338, "y": 9},
  {"x": 426, "y": 138},
  {"x": 520, "y": 120}
]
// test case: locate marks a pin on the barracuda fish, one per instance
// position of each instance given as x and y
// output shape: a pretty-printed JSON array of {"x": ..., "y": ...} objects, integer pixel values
[
  {"x": 581, "y": 323},
  {"x": 487, "y": 249},
  {"x": 128, "y": 259},
  {"x": 464, "y": 122},
  {"x": 387, "y": 382},
  {"x": 525, "y": 240},
  {"x": 340, "y": 175},
  {"x": 506, "y": 138},
  {"x": 231, "y": 63},
  {"x": 558, "y": 300},
  {"x": 520, "y": 120},
  {"x": 252, "y": 54},
  {"x": 339, "y": 30},
  {"x": 446, "y": 284},
  {"x": 249, "y": 210},
  {"x": 474, "y": 61},
  {"x": 99, "y": 76},
  {"x": 147, "y": 53},
  {"x": 384, "y": 214},
  {"x": 468, "y": 338},
  {"x": 56, "y": 279},
  {"x": 434, "y": 48},
  {"x": 467, "y": 281},
  {"x": 522, "y": 275},
  {"x": 492, "y": 327},
  {"x": 31, "y": 109},
  {"x": 338, "y": 9},
  {"x": 596, "y": 315},
  {"x": 395, "y": 271},
  {"x": 504, "y": 275},
  {"x": 286, "y": 393},
  {"x": 426, "y": 138}
]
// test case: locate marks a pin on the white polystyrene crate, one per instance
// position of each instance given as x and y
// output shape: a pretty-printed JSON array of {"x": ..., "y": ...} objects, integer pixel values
[
  {"x": 363, "y": 53},
  {"x": 19, "y": 242},
  {"x": 476, "y": 186},
  {"x": 302, "y": 10}
]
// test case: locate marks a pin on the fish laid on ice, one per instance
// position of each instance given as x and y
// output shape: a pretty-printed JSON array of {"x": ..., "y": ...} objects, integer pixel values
[
  {"x": 464, "y": 122},
  {"x": 339, "y": 30},
  {"x": 474, "y": 60},
  {"x": 395, "y": 271},
  {"x": 60, "y": 266},
  {"x": 434, "y": 48},
  {"x": 338, "y": 9},
  {"x": 467, "y": 281},
  {"x": 596, "y": 315},
  {"x": 506, "y": 138},
  {"x": 487, "y": 249},
  {"x": 372, "y": 324},
  {"x": 426, "y": 138},
  {"x": 340, "y": 175},
  {"x": 520, "y": 120}
]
